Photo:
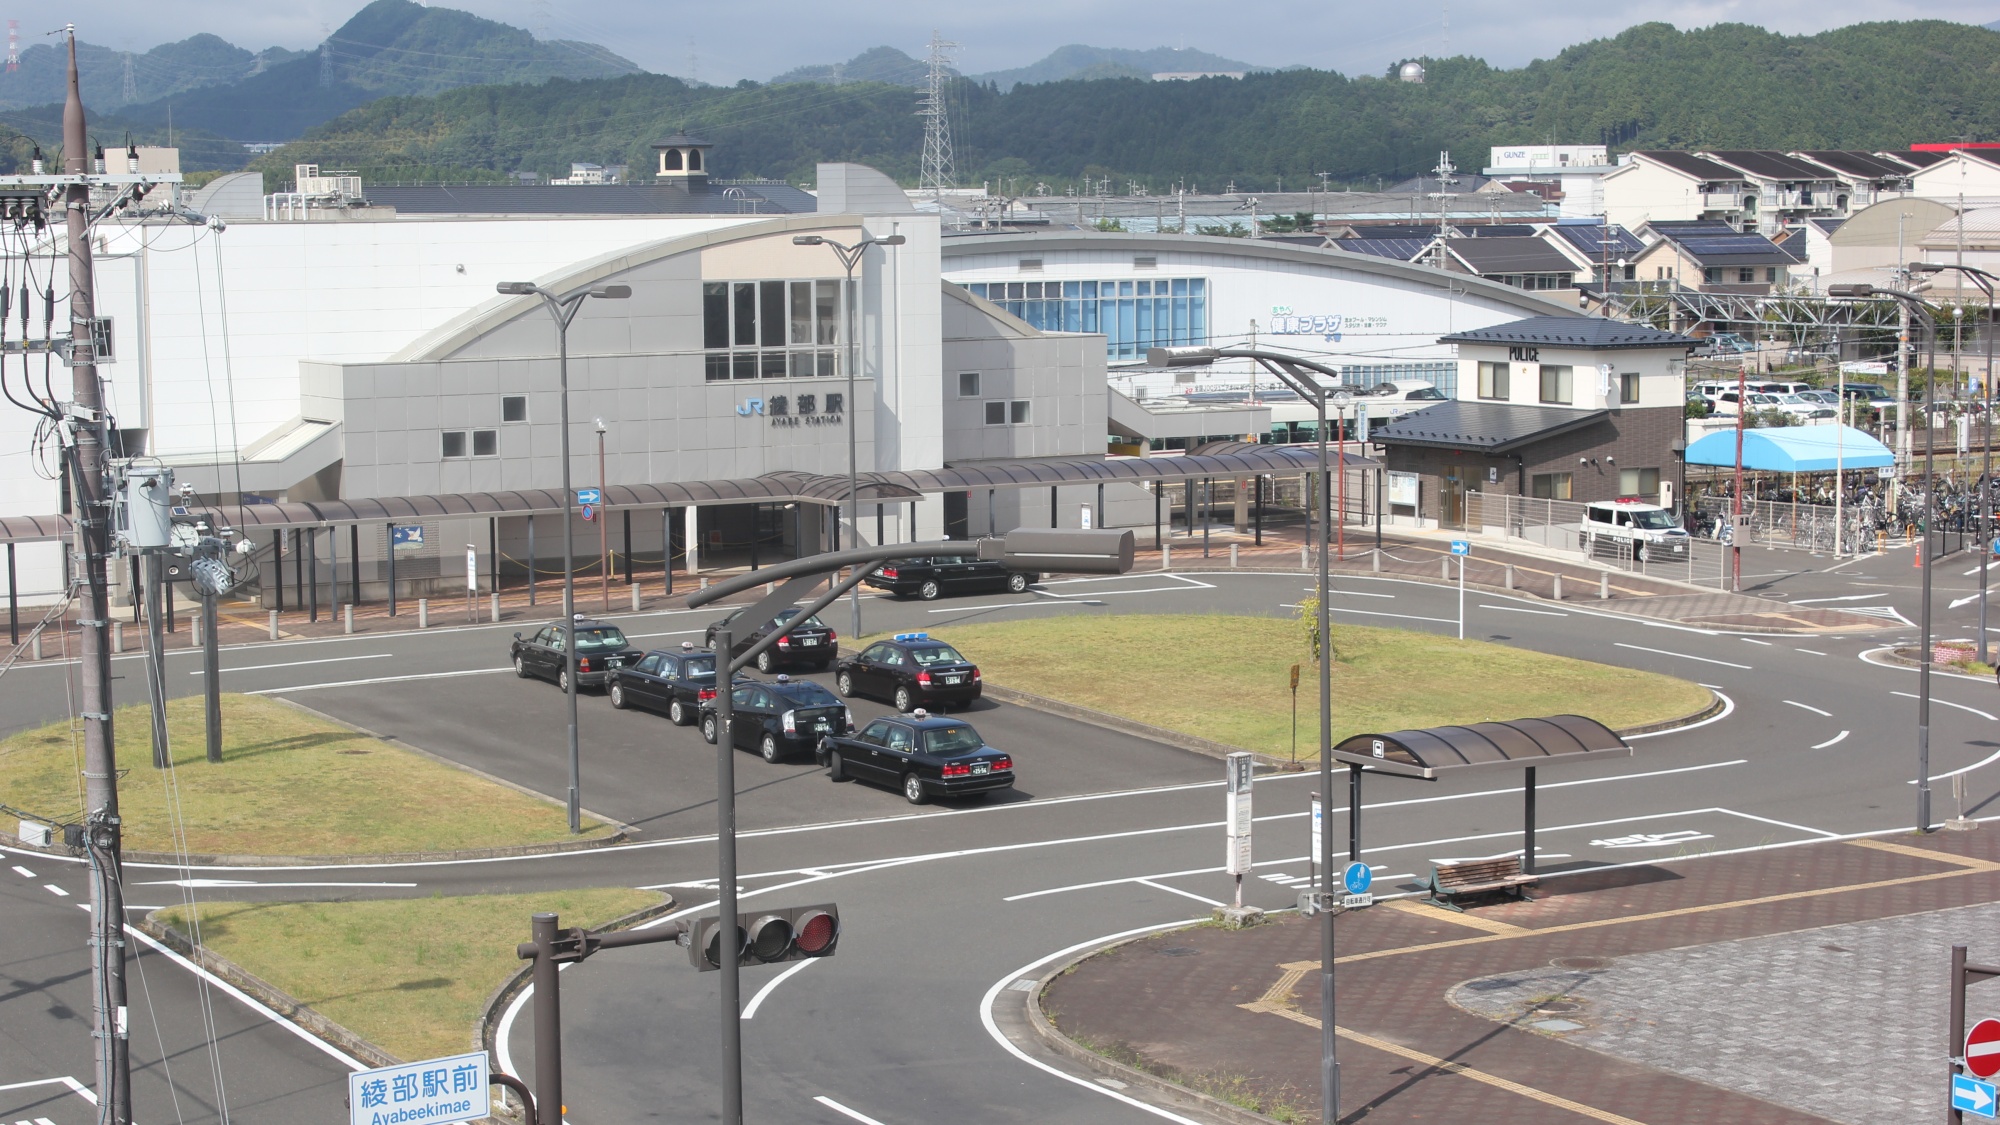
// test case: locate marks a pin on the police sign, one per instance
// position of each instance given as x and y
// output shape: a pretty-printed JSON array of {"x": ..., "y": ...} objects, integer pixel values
[{"x": 434, "y": 1092}]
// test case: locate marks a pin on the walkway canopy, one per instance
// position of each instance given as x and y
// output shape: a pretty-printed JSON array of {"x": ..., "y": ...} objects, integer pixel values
[{"x": 1793, "y": 449}]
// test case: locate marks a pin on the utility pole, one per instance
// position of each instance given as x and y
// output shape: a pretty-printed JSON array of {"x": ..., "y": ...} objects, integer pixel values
[{"x": 93, "y": 515}]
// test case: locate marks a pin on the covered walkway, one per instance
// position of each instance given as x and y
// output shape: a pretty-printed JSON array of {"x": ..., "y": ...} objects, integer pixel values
[{"x": 1793, "y": 449}]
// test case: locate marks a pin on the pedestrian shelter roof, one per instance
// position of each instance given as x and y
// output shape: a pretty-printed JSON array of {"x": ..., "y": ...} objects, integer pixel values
[
  {"x": 1793, "y": 449},
  {"x": 1520, "y": 743}
]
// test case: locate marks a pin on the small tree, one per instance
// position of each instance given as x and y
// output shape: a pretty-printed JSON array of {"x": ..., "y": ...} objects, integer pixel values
[
  {"x": 1110, "y": 224},
  {"x": 1309, "y": 622}
]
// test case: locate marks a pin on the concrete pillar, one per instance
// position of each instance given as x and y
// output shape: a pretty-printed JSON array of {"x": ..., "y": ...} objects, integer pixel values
[
  {"x": 1305, "y": 558},
  {"x": 1241, "y": 518},
  {"x": 194, "y": 630},
  {"x": 274, "y": 624},
  {"x": 1166, "y": 556},
  {"x": 1376, "y": 557},
  {"x": 495, "y": 607},
  {"x": 38, "y": 646},
  {"x": 1444, "y": 567},
  {"x": 1558, "y": 593},
  {"x": 1604, "y": 585},
  {"x": 117, "y": 636},
  {"x": 635, "y": 602},
  {"x": 347, "y": 618},
  {"x": 423, "y": 613},
  {"x": 691, "y": 536},
  {"x": 1510, "y": 576},
  {"x": 1232, "y": 556}
]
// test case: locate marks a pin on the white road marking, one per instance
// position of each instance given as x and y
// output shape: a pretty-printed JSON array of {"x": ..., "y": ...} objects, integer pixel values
[
  {"x": 1754, "y": 641},
  {"x": 1178, "y": 891},
  {"x": 1843, "y": 598},
  {"x": 23, "y": 872},
  {"x": 55, "y": 890},
  {"x": 1949, "y": 703},
  {"x": 1964, "y": 600},
  {"x": 1810, "y": 707},
  {"x": 1523, "y": 609},
  {"x": 382, "y": 680},
  {"x": 1987, "y": 760},
  {"x": 200, "y": 884},
  {"x": 1401, "y": 616},
  {"x": 675, "y": 633},
  {"x": 75, "y": 1087},
  {"x": 838, "y": 1108},
  {"x": 1975, "y": 570},
  {"x": 1682, "y": 655},
  {"x": 750, "y": 1010},
  {"x": 1831, "y": 741},
  {"x": 1652, "y": 839},
  {"x": 1781, "y": 823},
  {"x": 1810, "y": 652},
  {"x": 301, "y": 663},
  {"x": 1009, "y": 605},
  {"x": 1728, "y": 709}
]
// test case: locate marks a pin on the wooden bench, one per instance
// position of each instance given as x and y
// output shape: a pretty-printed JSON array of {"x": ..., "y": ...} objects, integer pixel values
[{"x": 1452, "y": 880}]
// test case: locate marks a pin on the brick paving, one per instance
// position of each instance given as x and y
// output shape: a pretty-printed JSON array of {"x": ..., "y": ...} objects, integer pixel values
[{"x": 1684, "y": 1036}]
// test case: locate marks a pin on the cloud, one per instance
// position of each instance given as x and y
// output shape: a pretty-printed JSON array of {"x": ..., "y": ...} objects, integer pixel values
[{"x": 723, "y": 43}]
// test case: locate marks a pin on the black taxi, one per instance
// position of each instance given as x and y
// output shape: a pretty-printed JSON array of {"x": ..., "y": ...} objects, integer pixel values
[
  {"x": 933, "y": 576},
  {"x": 675, "y": 683},
  {"x": 600, "y": 649},
  {"x": 778, "y": 718},
  {"x": 910, "y": 670},
  {"x": 920, "y": 754}
]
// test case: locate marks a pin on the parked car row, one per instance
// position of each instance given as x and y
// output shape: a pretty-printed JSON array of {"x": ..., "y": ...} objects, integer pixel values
[{"x": 922, "y": 755}]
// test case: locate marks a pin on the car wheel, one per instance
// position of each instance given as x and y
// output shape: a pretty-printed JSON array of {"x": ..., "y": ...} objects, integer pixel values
[
  {"x": 929, "y": 590},
  {"x": 845, "y": 683},
  {"x": 520, "y": 668},
  {"x": 708, "y": 728},
  {"x": 913, "y": 790},
  {"x": 1017, "y": 583},
  {"x": 1638, "y": 552},
  {"x": 770, "y": 749},
  {"x": 677, "y": 713},
  {"x": 904, "y": 700},
  {"x": 562, "y": 680},
  {"x": 836, "y": 770},
  {"x": 618, "y": 697},
  {"x": 765, "y": 661}
]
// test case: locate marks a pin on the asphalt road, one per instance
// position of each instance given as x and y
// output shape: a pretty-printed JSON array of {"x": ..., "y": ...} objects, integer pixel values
[{"x": 945, "y": 906}]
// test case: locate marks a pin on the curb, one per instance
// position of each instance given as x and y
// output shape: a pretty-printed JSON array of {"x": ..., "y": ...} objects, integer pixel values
[
  {"x": 1053, "y": 1038},
  {"x": 1691, "y": 718}
]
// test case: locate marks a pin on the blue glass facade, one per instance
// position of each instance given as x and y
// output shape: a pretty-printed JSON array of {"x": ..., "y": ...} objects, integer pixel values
[{"x": 1133, "y": 315}]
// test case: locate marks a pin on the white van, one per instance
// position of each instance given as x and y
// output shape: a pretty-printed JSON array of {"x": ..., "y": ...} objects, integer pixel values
[{"x": 1634, "y": 529}]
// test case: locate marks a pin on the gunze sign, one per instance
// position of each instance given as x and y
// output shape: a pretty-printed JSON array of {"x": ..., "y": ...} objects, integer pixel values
[
  {"x": 433, "y": 1092},
  {"x": 797, "y": 410}
]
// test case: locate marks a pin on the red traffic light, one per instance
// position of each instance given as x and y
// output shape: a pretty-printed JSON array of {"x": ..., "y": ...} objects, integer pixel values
[
  {"x": 767, "y": 937},
  {"x": 818, "y": 929}
]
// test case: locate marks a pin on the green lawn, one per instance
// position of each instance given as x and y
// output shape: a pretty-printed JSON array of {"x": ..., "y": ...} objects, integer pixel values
[
  {"x": 408, "y": 975},
  {"x": 289, "y": 784},
  {"x": 1227, "y": 678}
]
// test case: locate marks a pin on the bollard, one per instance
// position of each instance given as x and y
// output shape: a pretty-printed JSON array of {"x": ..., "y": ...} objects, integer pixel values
[
  {"x": 1510, "y": 576},
  {"x": 1604, "y": 586},
  {"x": 1444, "y": 566},
  {"x": 423, "y": 613},
  {"x": 1376, "y": 556},
  {"x": 117, "y": 636},
  {"x": 38, "y": 646},
  {"x": 704, "y": 583},
  {"x": 1166, "y": 556},
  {"x": 194, "y": 630},
  {"x": 495, "y": 607},
  {"x": 274, "y": 624},
  {"x": 1305, "y": 558},
  {"x": 1558, "y": 593},
  {"x": 347, "y": 617},
  {"x": 635, "y": 598},
  {"x": 1232, "y": 556}
]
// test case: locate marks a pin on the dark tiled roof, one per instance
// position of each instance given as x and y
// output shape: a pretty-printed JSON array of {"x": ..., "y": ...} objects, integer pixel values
[
  {"x": 1401, "y": 249},
  {"x": 1679, "y": 228},
  {"x": 1919, "y": 159},
  {"x": 1497, "y": 230},
  {"x": 1587, "y": 332},
  {"x": 1770, "y": 165},
  {"x": 1395, "y": 230},
  {"x": 682, "y": 140},
  {"x": 1734, "y": 250},
  {"x": 1691, "y": 164},
  {"x": 1492, "y": 427},
  {"x": 1851, "y": 163},
  {"x": 1510, "y": 255},
  {"x": 1826, "y": 226},
  {"x": 596, "y": 199},
  {"x": 1596, "y": 240}
]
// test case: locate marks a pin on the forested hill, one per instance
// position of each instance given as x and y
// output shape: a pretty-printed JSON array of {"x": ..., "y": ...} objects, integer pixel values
[{"x": 1873, "y": 86}]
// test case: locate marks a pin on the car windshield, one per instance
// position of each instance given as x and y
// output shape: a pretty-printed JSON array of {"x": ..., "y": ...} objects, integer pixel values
[
  {"x": 1653, "y": 521},
  {"x": 812, "y": 622},
  {"x": 942, "y": 654},
  {"x": 602, "y": 637},
  {"x": 1424, "y": 394},
  {"x": 698, "y": 667},
  {"x": 947, "y": 742},
  {"x": 805, "y": 693}
]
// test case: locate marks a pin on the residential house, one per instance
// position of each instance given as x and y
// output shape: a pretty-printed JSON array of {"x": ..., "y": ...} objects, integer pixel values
[
  {"x": 1712, "y": 259},
  {"x": 1524, "y": 262},
  {"x": 1596, "y": 247},
  {"x": 1865, "y": 178},
  {"x": 1655, "y": 185},
  {"x": 1788, "y": 190},
  {"x": 1965, "y": 174}
]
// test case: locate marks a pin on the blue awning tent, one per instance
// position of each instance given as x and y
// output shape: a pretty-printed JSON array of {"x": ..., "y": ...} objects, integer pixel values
[{"x": 1793, "y": 449}]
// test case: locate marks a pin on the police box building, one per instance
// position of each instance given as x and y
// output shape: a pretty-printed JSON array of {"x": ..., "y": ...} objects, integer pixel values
[{"x": 334, "y": 368}]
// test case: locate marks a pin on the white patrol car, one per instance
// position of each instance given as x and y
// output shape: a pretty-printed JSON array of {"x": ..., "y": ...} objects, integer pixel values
[{"x": 1632, "y": 529}]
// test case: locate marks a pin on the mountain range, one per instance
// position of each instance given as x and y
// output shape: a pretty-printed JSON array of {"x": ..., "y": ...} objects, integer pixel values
[{"x": 1075, "y": 61}]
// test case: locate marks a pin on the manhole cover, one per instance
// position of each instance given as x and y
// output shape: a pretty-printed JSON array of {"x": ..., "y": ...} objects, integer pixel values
[
  {"x": 1557, "y": 1007},
  {"x": 1589, "y": 964},
  {"x": 1180, "y": 951}
]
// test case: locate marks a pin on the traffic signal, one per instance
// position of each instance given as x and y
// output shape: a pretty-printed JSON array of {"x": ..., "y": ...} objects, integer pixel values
[{"x": 766, "y": 937}]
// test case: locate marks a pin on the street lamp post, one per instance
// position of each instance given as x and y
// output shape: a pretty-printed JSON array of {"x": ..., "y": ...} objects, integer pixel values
[
  {"x": 1298, "y": 374},
  {"x": 1915, "y": 305},
  {"x": 1985, "y": 281},
  {"x": 564, "y": 310},
  {"x": 850, "y": 257},
  {"x": 603, "y": 525}
]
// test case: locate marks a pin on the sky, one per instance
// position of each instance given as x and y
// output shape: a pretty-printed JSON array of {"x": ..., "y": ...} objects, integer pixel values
[{"x": 721, "y": 43}]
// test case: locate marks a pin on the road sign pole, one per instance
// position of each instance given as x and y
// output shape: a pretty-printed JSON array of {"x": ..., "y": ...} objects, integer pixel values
[
  {"x": 731, "y": 1012},
  {"x": 1461, "y": 597}
]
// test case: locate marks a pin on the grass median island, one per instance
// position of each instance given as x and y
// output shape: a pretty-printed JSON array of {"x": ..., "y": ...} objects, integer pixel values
[
  {"x": 408, "y": 975},
  {"x": 290, "y": 783},
  {"x": 1228, "y": 678}
]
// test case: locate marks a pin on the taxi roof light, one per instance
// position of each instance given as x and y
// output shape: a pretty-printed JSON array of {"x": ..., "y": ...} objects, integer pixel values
[{"x": 905, "y": 637}]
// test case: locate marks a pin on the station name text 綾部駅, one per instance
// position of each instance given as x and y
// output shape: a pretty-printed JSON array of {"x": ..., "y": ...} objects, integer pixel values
[{"x": 797, "y": 410}]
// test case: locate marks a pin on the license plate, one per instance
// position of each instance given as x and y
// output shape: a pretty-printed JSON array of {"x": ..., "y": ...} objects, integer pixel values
[
  {"x": 821, "y": 726},
  {"x": 951, "y": 679},
  {"x": 808, "y": 640},
  {"x": 981, "y": 767},
  {"x": 615, "y": 662}
]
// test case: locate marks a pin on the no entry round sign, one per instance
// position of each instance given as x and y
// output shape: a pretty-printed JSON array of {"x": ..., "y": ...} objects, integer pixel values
[{"x": 1982, "y": 1048}]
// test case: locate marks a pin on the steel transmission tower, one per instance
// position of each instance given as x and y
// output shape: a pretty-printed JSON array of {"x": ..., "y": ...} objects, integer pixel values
[{"x": 936, "y": 172}]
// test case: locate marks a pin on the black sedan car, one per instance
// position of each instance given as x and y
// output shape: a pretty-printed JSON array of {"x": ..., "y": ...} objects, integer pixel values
[
  {"x": 923, "y": 756},
  {"x": 600, "y": 648},
  {"x": 812, "y": 643},
  {"x": 934, "y": 576},
  {"x": 778, "y": 717},
  {"x": 676, "y": 683},
  {"x": 911, "y": 670}
]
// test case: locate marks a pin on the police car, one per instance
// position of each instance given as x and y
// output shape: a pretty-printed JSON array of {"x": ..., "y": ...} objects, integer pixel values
[
  {"x": 1632, "y": 529},
  {"x": 910, "y": 670}
]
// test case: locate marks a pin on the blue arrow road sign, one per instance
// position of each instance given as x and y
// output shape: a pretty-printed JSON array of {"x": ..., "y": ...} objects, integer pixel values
[
  {"x": 1972, "y": 1095},
  {"x": 1357, "y": 878},
  {"x": 588, "y": 496},
  {"x": 1460, "y": 547}
]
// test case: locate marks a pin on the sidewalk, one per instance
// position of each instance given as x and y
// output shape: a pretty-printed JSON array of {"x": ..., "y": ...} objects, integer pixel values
[{"x": 1800, "y": 984}]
